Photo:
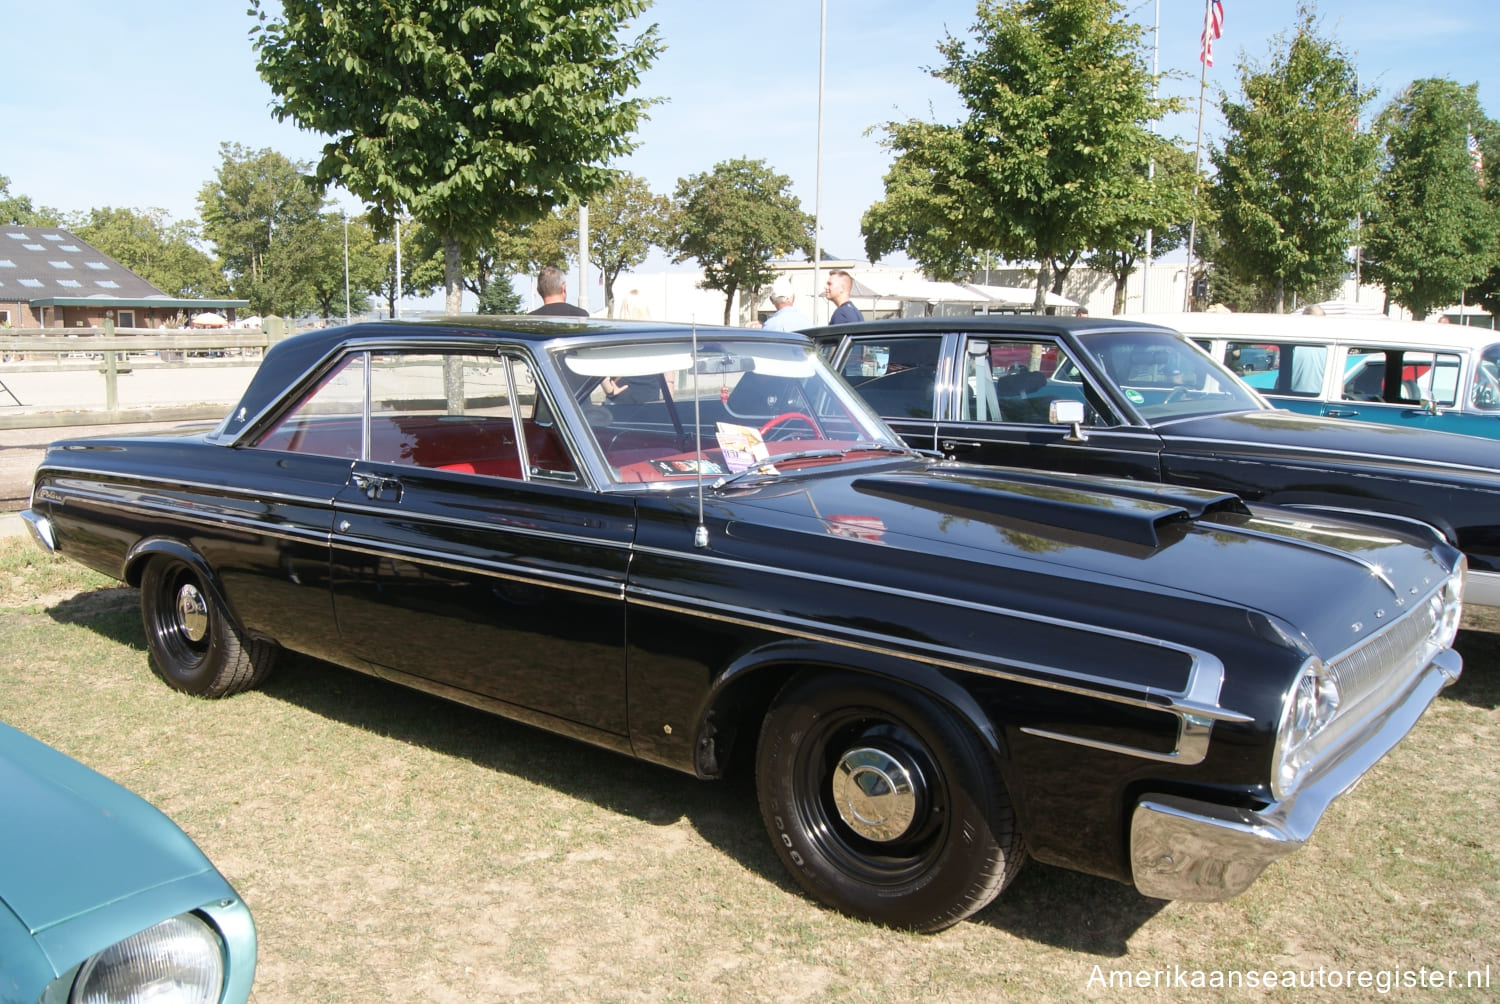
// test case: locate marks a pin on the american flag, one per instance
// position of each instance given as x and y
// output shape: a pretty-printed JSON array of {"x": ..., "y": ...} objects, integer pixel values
[
  {"x": 1213, "y": 27},
  {"x": 1476, "y": 157}
]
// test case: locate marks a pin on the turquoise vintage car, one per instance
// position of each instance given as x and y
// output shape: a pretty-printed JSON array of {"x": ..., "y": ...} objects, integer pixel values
[
  {"x": 1441, "y": 377},
  {"x": 103, "y": 898}
]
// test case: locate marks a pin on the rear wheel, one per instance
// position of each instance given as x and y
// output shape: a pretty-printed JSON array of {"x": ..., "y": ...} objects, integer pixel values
[
  {"x": 194, "y": 645},
  {"x": 883, "y": 804}
]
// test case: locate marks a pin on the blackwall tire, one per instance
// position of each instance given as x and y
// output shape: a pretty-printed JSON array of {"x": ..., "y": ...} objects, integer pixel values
[
  {"x": 194, "y": 645},
  {"x": 883, "y": 803}
]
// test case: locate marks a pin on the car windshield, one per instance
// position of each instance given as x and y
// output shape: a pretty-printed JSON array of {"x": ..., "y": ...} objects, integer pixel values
[
  {"x": 661, "y": 414},
  {"x": 1166, "y": 376}
]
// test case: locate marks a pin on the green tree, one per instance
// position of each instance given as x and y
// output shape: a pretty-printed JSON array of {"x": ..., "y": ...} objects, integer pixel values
[
  {"x": 626, "y": 220},
  {"x": 1432, "y": 233},
  {"x": 1294, "y": 171},
  {"x": 733, "y": 221},
  {"x": 164, "y": 253},
  {"x": 923, "y": 209},
  {"x": 1163, "y": 206},
  {"x": 1056, "y": 137},
  {"x": 467, "y": 115},
  {"x": 18, "y": 209},
  {"x": 323, "y": 248},
  {"x": 254, "y": 209}
]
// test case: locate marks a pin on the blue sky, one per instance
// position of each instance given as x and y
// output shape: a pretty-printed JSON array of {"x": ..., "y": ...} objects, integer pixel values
[{"x": 125, "y": 104}]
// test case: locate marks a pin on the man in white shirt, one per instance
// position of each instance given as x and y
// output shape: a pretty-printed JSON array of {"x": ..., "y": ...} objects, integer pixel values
[{"x": 787, "y": 317}]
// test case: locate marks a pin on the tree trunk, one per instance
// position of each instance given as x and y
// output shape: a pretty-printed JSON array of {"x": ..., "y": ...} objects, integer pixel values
[
  {"x": 1118, "y": 305},
  {"x": 1043, "y": 283},
  {"x": 728, "y": 303},
  {"x": 453, "y": 276},
  {"x": 1280, "y": 295}
]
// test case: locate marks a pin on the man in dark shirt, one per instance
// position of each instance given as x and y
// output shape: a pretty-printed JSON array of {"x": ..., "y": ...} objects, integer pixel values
[
  {"x": 552, "y": 284},
  {"x": 838, "y": 290}
]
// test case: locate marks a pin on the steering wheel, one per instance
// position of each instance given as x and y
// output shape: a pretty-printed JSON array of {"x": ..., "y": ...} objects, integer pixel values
[
  {"x": 791, "y": 416},
  {"x": 1176, "y": 394}
]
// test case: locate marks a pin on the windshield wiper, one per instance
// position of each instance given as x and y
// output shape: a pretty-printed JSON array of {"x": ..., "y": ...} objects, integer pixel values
[{"x": 767, "y": 466}]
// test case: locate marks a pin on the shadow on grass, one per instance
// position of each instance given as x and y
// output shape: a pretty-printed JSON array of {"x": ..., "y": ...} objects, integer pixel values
[
  {"x": 1480, "y": 684},
  {"x": 1045, "y": 904}
]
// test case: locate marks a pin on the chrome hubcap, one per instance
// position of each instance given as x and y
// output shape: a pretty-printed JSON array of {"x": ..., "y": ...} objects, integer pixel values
[
  {"x": 876, "y": 794},
  {"x": 192, "y": 613}
]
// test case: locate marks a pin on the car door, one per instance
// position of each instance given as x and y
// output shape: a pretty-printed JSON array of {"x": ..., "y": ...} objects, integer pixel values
[
  {"x": 997, "y": 409},
  {"x": 469, "y": 551}
]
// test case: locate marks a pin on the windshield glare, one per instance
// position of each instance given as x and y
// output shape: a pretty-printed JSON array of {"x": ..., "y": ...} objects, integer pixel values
[
  {"x": 1166, "y": 377},
  {"x": 649, "y": 407}
]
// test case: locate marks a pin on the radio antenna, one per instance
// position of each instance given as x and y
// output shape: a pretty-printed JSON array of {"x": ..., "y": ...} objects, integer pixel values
[{"x": 700, "y": 533}]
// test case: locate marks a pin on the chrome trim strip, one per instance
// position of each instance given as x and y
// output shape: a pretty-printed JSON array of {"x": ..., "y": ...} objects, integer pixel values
[
  {"x": 1199, "y": 697},
  {"x": 1271, "y": 448},
  {"x": 568, "y": 583},
  {"x": 328, "y": 539},
  {"x": 1205, "y": 675}
]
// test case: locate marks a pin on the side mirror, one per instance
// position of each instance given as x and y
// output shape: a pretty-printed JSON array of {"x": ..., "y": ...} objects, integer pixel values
[{"x": 1065, "y": 412}]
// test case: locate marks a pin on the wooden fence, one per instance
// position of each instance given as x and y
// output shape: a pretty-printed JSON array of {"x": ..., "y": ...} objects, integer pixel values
[{"x": 109, "y": 353}]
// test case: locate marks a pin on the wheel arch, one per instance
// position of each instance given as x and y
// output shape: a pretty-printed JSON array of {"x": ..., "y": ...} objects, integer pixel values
[
  {"x": 742, "y": 694},
  {"x": 148, "y": 548}
]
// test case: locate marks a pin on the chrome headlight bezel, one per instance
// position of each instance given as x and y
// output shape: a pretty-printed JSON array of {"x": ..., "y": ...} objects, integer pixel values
[
  {"x": 1309, "y": 705},
  {"x": 1448, "y": 606},
  {"x": 184, "y": 953}
]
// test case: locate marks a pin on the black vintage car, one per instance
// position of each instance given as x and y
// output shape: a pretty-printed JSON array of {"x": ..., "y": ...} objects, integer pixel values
[
  {"x": 697, "y": 547},
  {"x": 1111, "y": 397}
]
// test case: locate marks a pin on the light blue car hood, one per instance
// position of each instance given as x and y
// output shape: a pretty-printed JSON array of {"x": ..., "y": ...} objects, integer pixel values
[{"x": 72, "y": 841}]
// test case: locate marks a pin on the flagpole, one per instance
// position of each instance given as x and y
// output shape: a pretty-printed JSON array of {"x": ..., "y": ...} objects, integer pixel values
[
  {"x": 1151, "y": 167},
  {"x": 818, "y": 192},
  {"x": 1187, "y": 292}
]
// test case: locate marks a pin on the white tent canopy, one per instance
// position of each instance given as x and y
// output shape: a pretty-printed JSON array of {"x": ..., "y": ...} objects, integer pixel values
[{"x": 903, "y": 287}]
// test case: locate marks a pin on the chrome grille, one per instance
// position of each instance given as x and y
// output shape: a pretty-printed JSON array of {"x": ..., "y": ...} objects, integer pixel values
[{"x": 1385, "y": 660}]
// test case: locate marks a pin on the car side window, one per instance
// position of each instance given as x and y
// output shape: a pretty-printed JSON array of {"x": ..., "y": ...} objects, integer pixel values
[
  {"x": 329, "y": 420},
  {"x": 1285, "y": 368},
  {"x": 1401, "y": 376},
  {"x": 463, "y": 413},
  {"x": 1016, "y": 381},
  {"x": 897, "y": 376}
]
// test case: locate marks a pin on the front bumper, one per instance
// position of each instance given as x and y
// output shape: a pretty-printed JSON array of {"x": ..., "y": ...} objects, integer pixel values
[
  {"x": 1482, "y": 589},
  {"x": 1183, "y": 848},
  {"x": 41, "y": 530}
]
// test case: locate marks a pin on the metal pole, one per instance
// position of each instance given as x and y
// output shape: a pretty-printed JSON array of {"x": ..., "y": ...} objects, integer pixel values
[
  {"x": 398, "y": 266},
  {"x": 818, "y": 193},
  {"x": 346, "y": 266},
  {"x": 1187, "y": 291},
  {"x": 583, "y": 257}
]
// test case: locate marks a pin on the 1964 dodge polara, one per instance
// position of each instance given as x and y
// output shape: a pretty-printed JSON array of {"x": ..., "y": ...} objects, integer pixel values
[{"x": 699, "y": 548}]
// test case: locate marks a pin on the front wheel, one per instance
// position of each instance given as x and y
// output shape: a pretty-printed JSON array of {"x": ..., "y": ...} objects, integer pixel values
[
  {"x": 883, "y": 804},
  {"x": 195, "y": 647}
]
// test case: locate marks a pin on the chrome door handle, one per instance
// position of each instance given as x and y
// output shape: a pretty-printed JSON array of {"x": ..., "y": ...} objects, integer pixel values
[{"x": 377, "y": 487}]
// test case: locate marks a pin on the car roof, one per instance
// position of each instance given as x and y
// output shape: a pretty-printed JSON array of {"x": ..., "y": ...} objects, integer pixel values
[
  {"x": 1364, "y": 331},
  {"x": 288, "y": 361},
  {"x": 1021, "y": 324}
]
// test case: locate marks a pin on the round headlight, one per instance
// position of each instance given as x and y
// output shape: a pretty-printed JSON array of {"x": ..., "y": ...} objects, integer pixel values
[
  {"x": 1310, "y": 705},
  {"x": 178, "y": 960}
]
